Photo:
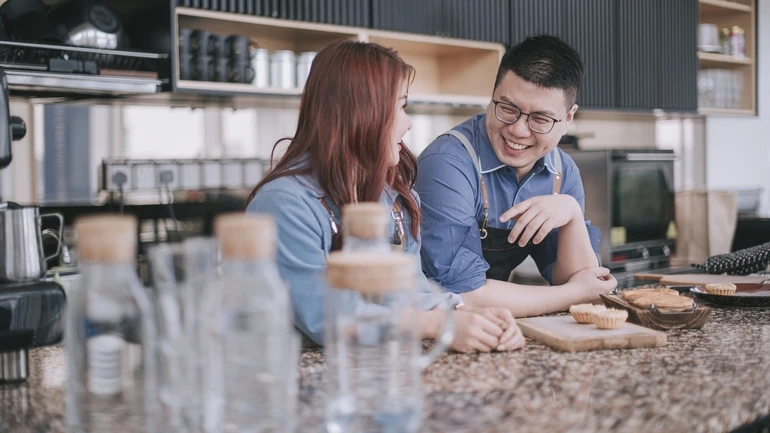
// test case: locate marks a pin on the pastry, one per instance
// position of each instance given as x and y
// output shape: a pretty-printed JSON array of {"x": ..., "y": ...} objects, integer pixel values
[
  {"x": 583, "y": 313},
  {"x": 610, "y": 318},
  {"x": 663, "y": 301},
  {"x": 725, "y": 289},
  {"x": 634, "y": 294}
]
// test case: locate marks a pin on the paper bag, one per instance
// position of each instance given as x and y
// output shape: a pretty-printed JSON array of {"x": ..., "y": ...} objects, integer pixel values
[{"x": 705, "y": 222}]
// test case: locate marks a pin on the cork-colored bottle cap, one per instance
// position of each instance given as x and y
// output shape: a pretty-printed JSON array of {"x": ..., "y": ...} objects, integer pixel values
[
  {"x": 246, "y": 236},
  {"x": 365, "y": 220},
  {"x": 371, "y": 273},
  {"x": 106, "y": 238}
]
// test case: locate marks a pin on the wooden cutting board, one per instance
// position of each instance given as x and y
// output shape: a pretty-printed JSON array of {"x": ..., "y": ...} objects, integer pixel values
[
  {"x": 696, "y": 279},
  {"x": 564, "y": 334},
  {"x": 701, "y": 279}
]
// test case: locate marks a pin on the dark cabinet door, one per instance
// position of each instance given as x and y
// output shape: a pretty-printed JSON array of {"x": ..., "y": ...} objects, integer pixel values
[
  {"x": 638, "y": 57},
  {"x": 463, "y": 19},
  {"x": 678, "y": 27},
  {"x": 657, "y": 54},
  {"x": 409, "y": 16},
  {"x": 589, "y": 27},
  {"x": 476, "y": 20}
]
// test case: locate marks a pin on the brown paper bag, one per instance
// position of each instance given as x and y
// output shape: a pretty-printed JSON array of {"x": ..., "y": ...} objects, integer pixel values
[{"x": 705, "y": 222}]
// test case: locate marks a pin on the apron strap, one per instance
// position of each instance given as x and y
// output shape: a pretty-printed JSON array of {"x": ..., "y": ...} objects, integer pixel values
[
  {"x": 333, "y": 223},
  {"x": 477, "y": 162},
  {"x": 557, "y": 166},
  {"x": 399, "y": 237}
]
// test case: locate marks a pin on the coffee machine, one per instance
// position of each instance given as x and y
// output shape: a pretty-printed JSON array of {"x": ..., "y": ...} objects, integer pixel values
[{"x": 31, "y": 309}]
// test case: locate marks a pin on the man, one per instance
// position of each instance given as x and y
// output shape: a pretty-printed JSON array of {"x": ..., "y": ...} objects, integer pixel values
[{"x": 496, "y": 189}]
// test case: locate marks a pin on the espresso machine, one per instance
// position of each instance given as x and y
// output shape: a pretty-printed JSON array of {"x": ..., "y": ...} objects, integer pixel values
[{"x": 31, "y": 309}]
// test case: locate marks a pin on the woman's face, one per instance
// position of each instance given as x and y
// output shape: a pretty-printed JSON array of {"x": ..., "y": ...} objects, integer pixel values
[{"x": 401, "y": 125}]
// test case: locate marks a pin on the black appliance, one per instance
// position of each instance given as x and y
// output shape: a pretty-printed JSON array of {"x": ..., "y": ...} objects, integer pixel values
[
  {"x": 31, "y": 314},
  {"x": 629, "y": 196}
]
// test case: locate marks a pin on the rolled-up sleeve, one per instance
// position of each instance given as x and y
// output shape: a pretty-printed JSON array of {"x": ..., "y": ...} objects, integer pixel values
[
  {"x": 451, "y": 247},
  {"x": 545, "y": 253}
]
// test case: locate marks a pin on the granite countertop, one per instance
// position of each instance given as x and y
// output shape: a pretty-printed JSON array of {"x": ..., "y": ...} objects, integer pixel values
[{"x": 713, "y": 379}]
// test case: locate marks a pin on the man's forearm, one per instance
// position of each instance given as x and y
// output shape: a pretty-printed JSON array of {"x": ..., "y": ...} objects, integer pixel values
[
  {"x": 574, "y": 252},
  {"x": 524, "y": 301}
]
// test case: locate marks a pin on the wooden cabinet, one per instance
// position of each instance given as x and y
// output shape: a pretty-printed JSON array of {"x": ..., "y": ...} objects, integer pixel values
[
  {"x": 452, "y": 72},
  {"x": 639, "y": 55},
  {"x": 727, "y": 82}
]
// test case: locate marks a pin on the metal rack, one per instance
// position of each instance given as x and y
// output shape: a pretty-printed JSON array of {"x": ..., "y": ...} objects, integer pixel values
[{"x": 31, "y": 67}]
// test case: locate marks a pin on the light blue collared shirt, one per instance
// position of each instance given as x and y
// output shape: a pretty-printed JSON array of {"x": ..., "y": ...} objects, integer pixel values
[
  {"x": 452, "y": 206},
  {"x": 304, "y": 242}
]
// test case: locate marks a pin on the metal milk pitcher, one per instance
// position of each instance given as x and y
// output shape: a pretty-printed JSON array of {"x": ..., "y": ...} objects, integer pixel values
[{"x": 21, "y": 244}]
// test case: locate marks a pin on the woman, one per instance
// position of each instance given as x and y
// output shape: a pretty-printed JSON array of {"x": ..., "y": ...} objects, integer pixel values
[{"x": 348, "y": 148}]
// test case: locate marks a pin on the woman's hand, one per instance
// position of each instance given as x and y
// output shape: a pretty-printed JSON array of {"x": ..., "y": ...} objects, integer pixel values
[
  {"x": 485, "y": 329},
  {"x": 475, "y": 333},
  {"x": 512, "y": 338}
]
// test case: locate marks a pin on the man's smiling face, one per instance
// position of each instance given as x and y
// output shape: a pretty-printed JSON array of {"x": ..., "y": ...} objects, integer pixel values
[{"x": 516, "y": 145}]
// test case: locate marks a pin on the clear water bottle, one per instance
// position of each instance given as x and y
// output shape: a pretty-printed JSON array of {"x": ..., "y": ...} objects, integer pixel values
[
  {"x": 364, "y": 228},
  {"x": 180, "y": 274},
  {"x": 110, "y": 333},
  {"x": 251, "y": 345}
]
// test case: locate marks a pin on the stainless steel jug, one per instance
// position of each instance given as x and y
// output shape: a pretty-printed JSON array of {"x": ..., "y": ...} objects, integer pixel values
[{"x": 21, "y": 244}]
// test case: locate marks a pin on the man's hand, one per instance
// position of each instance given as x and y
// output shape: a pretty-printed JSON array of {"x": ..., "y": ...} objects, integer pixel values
[
  {"x": 594, "y": 282},
  {"x": 537, "y": 216}
]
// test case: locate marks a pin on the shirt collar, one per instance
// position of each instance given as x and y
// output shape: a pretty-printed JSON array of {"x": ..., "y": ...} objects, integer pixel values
[
  {"x": 308, "y": 180},
  {"x": 489, "y": 160}
]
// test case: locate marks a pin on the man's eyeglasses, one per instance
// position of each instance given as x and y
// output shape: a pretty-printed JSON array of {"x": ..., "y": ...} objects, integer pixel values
[{"x": 539, "y": 123}]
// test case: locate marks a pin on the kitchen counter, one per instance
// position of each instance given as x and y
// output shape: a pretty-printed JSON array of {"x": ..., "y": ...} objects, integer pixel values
[{"x": 709, "y": 380}]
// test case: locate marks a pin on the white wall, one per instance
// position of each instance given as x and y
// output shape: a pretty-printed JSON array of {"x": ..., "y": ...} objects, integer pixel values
[{"x": 738, "y": 149}]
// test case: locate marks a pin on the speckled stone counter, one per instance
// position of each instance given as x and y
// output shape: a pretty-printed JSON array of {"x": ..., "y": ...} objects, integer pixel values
[{"x": 709, "y": 380}]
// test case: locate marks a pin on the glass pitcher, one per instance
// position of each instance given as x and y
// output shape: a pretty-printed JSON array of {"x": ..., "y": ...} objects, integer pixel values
[{"x": 373, "y": 349}]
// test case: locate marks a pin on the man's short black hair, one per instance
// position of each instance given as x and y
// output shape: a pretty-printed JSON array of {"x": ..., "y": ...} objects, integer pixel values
[{"x": 547, "y": 62}]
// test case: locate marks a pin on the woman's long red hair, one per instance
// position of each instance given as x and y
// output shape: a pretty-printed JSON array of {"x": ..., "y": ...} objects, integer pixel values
[{"x": 346, "y": 115}]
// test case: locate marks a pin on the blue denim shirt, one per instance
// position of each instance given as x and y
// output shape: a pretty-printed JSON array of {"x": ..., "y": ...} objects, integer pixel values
[
  {"x": 304, "y": 242},
  {"x": 449, "y": 187}
]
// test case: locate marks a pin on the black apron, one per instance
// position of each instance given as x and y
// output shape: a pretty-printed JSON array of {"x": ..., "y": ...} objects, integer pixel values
[{"x": 502, "y": 256}]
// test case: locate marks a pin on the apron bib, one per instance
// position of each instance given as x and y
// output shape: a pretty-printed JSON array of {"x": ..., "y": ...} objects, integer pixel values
[{"x": 502, "y": 256}]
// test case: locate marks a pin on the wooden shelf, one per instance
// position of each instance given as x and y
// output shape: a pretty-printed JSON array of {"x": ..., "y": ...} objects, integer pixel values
[
  {"x": 449, "y": 72},
  {"x": 715, "y": 7},
  {"x": 726, "y": 112},
  {"x": 445, "y": 66},
  {"x": 715, "y": 60},
  {"x": 235, "y": 88},
  {"x": 726, "y": 14}
]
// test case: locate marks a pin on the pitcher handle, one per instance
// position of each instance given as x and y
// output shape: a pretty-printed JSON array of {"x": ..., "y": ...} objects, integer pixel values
[
  {"x": 56, "y": 234},
  {"x": 447, "y": 333}
]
